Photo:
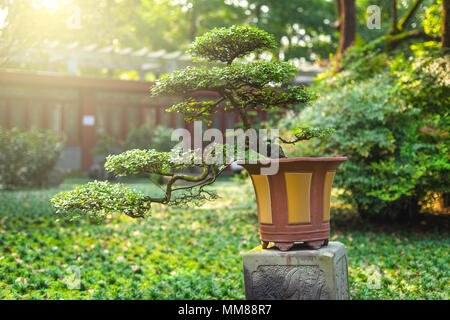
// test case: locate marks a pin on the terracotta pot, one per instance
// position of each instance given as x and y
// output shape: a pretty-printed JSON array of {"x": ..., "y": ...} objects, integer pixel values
[{"x": 294, "y": 203}]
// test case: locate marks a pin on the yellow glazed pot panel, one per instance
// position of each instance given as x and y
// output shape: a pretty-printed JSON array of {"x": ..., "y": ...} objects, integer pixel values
[
  {"x": 327, "y": 195},
  {"x": 262, "y": 190},
  {"x": 298, "y": 186}
]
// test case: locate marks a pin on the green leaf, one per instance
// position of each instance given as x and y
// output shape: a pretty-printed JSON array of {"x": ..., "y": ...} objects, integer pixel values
[{"x": 227, "y": 44}]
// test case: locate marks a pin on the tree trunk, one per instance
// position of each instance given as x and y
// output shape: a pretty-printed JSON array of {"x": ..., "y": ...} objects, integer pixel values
[
  {"x": 337, "y": 8},
  {"x": 394, "y": 28},
  {"x": 397, "y": 33},
  {"x": 445, "y": 24},
  {"x": 408, "y": 15},
  {"x": 347, "y": 25},
  {"x": 193, "y": 26}
]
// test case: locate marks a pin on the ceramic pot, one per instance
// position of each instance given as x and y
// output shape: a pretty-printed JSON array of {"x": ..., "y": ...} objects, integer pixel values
[{"x": 294, "y": 203}]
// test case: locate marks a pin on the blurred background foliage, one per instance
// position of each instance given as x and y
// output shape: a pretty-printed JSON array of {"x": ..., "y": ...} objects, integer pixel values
[
  {"x": 305, "y": 30},
  {"x": 387, "y": 101},
  {"x": 28, "y": 159},
  {"x": 388, "y": 106},
  {"x": 303, "y": 27}
]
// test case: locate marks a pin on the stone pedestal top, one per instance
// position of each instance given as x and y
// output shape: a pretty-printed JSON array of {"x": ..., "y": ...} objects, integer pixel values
[
  {"x": 297, "y": 274},
  {"x": 332, "y": 248}
]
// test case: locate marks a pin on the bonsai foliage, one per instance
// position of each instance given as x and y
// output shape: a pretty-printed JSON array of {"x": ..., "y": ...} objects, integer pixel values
[{"x": 241, "y": 86}]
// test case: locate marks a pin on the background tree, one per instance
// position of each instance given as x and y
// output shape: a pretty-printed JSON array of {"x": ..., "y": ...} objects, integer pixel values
[
  {"x": 173, "y": 24},
  {"x": 401, "y": 24},
  {"x": 394, "y": 104},
  {"x": 303, "y": 28},
  {"x": 31, "y": 24},
  {"x": 17, "y": 22},
  {"x": 398, "y": 31},
  {"x": 347, "y": 24},
  {"x": 446, "y": 24}
]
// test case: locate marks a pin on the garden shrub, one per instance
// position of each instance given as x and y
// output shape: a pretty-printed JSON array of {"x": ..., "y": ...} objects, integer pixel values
[
  {"x": 394, "y": 127},
  {"x": 104, "y": 145},
  {"x": 147, "y": 136},
  {"x": 28, "y": 158}
]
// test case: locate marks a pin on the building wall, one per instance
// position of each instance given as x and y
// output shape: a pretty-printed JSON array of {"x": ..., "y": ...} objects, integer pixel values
[{"x": 77, "y": 109}]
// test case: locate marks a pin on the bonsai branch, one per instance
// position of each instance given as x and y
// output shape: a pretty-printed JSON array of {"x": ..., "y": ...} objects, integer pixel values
[
  {"x": 207, "y": 181},
  {"x": 196, "y": 110},
  {"x": 169, "y": 190},
  {"x": 307, "y": 134}
]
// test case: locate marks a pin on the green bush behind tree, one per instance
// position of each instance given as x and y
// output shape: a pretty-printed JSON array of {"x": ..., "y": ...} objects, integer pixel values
[
  {"x": 390, "y": 116},
  {"x": 149, "y": 137}
]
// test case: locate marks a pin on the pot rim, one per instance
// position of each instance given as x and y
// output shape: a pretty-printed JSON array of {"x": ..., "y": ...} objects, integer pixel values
[{"x": 299, "y": 159}]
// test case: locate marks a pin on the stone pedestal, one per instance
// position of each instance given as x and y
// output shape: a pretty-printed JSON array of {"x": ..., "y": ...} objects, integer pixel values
[{"x": 298, "y": 274}]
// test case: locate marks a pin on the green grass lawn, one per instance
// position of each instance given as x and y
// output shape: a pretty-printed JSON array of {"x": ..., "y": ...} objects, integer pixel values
[{"x": 193, "y": 253}]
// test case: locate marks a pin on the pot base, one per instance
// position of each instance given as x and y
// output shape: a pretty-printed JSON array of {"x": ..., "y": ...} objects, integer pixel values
[{"x": 285, "y": 246}]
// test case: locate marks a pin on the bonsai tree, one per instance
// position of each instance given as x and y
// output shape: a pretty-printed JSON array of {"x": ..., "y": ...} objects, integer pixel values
[{"x": 241, "y": 86}]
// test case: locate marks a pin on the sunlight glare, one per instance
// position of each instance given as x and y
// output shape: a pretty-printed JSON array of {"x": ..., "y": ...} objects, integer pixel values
[{"x": 47, "y": 4}]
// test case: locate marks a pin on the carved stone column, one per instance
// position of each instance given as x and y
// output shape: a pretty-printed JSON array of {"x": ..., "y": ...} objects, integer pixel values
[{"x": 298, "y": 274}]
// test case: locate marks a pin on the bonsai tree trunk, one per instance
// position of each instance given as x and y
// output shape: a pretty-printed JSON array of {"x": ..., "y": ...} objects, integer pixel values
[
  {"x": 445, "y": 24},
  {"x": 347, "y": 25}
]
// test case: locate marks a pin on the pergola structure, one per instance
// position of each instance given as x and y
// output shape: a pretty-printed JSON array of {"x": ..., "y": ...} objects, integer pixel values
[{"x": 74, "y": 56}]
